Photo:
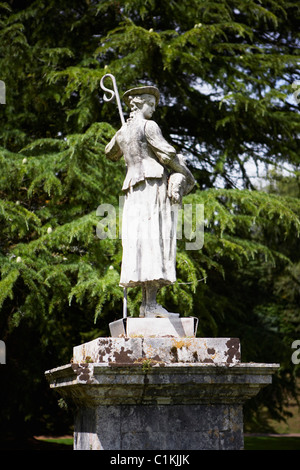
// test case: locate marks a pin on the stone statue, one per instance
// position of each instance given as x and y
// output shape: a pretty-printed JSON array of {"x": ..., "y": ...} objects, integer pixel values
[{"x": 155, "y": 182}]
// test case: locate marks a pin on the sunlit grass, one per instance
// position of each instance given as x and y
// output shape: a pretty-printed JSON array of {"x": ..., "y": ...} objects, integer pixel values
[{"x": 271, "y": 443}]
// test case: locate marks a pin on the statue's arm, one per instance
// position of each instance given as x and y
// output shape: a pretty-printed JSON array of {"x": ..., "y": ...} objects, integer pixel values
[
  {"x": 167, "y": 154},
  {"x": 162, "y": 149},
  {"x": 112, "y": 150}
]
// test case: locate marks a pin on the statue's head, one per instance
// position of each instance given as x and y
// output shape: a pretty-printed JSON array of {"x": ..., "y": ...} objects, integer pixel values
[
  {"x": 140, "y": 93},
  {"x": 142, "y": 100}
]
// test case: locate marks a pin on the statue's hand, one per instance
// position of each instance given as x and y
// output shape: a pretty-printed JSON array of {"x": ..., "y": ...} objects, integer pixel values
[
  {"x": 176, "y": 187},
  {"x": 176, "y": 196}
]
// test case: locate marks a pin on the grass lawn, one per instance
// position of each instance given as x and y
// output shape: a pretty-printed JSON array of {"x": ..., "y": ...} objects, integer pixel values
[
  {"x": 271, "y": 443},
  {"x": 66, "y": 441}
]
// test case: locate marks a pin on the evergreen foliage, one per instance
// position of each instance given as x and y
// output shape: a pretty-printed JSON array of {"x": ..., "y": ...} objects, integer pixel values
[{"x": 225, "y": 71}]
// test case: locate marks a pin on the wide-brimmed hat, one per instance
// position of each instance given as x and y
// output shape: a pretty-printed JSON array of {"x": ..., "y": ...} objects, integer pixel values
[{"x": 142, "y": 90}]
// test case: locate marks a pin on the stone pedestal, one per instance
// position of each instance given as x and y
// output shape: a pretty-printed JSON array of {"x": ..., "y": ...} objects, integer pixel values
[
  {"x": 159, "y": 393},
  {"x": 154, "y": 327}
]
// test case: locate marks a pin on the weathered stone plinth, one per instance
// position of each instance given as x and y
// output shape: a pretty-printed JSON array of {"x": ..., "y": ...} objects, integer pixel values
[
  {"x": 159, "y": 351},
  {"x": 159, "y": 393}
]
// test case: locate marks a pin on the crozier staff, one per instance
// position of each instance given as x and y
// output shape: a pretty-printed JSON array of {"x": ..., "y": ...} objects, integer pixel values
[{"x": 155, "y": 182}]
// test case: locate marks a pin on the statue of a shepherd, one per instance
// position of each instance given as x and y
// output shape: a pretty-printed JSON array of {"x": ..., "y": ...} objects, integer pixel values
[{"x": 155, "y": 182}]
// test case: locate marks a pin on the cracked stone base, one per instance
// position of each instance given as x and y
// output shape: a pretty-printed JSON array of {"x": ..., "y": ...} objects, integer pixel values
[
  {"x": 159, "y": 393},
  {"x": 117, "y": 351}
]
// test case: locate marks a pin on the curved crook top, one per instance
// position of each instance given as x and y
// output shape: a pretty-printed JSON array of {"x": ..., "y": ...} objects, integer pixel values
[{"x": 113, "y": 93}]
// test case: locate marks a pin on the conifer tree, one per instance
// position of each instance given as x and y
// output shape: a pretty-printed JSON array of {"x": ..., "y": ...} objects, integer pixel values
[{"x": 226, "y": 72}]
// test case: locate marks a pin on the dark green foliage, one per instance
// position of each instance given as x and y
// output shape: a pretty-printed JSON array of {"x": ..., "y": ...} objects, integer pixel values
[{"x": 225, "y": 71}]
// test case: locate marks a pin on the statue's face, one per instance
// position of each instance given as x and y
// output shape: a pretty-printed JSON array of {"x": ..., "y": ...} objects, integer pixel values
[{"x": 148, "y": 107}]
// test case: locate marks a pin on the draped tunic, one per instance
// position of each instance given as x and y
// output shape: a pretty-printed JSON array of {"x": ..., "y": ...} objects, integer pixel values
[{"x": 149, "y": 219}]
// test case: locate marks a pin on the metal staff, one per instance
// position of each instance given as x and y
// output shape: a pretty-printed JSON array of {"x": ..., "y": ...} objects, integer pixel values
[{"x": 115, "y": 94}]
